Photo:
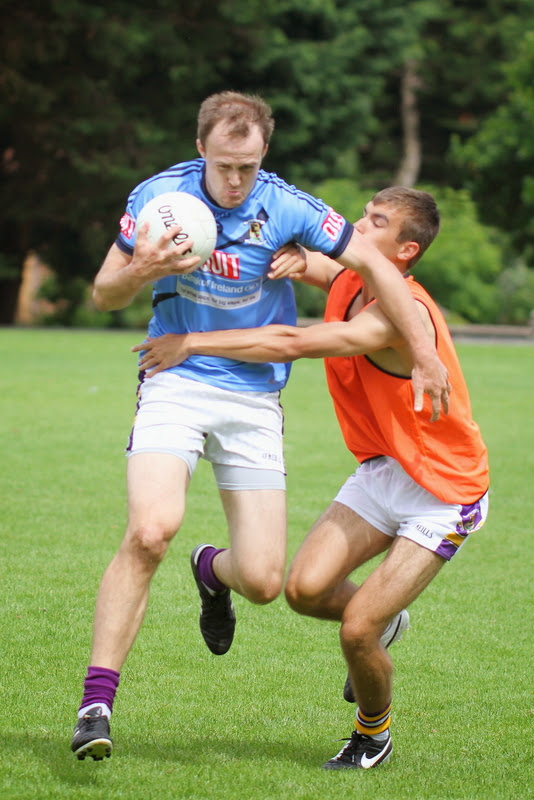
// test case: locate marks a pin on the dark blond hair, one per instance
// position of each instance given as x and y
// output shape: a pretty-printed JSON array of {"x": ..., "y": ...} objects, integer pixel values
[
  {"x": 239, "y": 111},
  {"x": 421, "y": 215}
]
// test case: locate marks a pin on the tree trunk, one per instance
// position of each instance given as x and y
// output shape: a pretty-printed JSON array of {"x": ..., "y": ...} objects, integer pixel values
[{"x": 410, "y": 165}]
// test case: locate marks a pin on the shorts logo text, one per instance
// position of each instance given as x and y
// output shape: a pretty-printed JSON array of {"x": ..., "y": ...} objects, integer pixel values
[{"x": 425, "y": 531}]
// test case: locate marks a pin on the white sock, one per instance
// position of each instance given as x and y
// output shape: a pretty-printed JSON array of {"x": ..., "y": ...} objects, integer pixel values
[
  {"x": 381, "y": 737},
  {"x": 106, "y": 711}
]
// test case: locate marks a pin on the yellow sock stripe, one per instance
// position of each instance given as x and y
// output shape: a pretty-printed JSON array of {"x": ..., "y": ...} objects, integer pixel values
[
  {"x": 369, "y": 719},
  {"x": 370, "y": 731},
  {"x": 372, "y": 724}
]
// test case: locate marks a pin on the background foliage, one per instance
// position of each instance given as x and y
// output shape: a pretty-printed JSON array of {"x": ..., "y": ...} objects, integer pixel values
[{"x": 95, "y": 96}]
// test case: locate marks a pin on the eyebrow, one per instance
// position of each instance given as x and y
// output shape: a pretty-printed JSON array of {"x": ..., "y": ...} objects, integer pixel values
[
  {"x": 376, "y": 214},
  {"x": 223, "y": 161}
]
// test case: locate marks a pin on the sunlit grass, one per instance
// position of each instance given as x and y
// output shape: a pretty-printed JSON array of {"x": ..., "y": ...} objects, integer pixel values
[{"x": 260, "y": 721}]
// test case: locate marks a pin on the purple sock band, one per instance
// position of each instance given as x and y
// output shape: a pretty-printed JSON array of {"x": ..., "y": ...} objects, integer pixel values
[
  {"x": 100, "y": 686},
  {"x": 205, "y": 569}
]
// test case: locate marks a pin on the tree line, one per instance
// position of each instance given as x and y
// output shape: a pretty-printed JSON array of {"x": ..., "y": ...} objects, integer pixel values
[{"x": 96, "y": 96}]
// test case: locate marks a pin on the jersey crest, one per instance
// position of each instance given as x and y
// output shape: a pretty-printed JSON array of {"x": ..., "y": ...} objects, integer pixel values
[{"x": 254, "y": 235}]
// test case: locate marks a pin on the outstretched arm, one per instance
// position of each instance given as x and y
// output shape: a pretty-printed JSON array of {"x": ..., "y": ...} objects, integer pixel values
[
  {"x": 429, "y": 375},
  {"x": 368, "y": 332}
]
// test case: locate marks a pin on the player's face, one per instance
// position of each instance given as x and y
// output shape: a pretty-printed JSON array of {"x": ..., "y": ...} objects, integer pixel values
[
  {"x": 232, "y": 164},
  {"x": 382, "y": 225}
]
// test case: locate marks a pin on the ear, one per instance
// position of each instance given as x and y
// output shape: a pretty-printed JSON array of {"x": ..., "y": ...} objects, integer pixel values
[
  {"x": 265, "y": 148},
  {"x": 200, "y": 148},
  {"x": 407, "y": 251}
]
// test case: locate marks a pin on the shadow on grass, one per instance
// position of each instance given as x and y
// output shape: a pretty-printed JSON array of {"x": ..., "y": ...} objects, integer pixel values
[
  {"x": 226, "y": 749},
  {"x": 54, "y": 753},
  {"x": 192, "y": 750}
]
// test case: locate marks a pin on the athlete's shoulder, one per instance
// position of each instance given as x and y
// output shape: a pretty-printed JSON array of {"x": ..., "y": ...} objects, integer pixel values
[
  {"x": 174, "y": 178},
  {"x": 420, "y": 293},
  {"x": 271, "y": 184},
  {"x": 344, "y": 280},
  {"x": 432, "y": 313},
  {"x": 300, "y": 216},
  {"x": 342, "y": 287}
]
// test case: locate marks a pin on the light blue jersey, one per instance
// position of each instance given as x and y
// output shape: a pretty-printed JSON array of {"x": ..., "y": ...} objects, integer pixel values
[{"x": 232, "y": 290}]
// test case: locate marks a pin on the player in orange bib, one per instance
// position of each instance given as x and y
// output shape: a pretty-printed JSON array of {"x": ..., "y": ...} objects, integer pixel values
[{"x": 421, "y": 487}]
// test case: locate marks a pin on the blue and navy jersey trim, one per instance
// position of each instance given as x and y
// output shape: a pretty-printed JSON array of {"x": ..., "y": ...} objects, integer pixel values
[
  {"x": 128, "y": 249},
  {"x": 179, "y": 172},
  {"x": 345, "y": 238}
]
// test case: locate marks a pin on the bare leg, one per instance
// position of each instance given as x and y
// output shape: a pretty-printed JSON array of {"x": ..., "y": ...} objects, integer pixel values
[
  {"x": 157, "y": 485},
  {"x": 254, "y": 564},
  {"x": 340, "y": 541},
  {"x": 392, "y": 586}
]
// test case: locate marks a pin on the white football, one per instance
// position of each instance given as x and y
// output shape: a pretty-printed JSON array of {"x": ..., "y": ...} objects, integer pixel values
[{"x": 181, "y": 208}]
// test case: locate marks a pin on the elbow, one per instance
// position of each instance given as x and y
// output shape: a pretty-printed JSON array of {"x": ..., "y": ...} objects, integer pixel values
[
  {"x": 98, "y": 300},
  {"x": 289, "y": 351},
  {"x": 292, "y": 347},
  {"x": 101, "y": 301},
  {"x": 292, "y": 353}
]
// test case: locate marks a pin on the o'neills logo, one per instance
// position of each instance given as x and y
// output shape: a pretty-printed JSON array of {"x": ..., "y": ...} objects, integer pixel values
[{"x": 167, "y": 217}]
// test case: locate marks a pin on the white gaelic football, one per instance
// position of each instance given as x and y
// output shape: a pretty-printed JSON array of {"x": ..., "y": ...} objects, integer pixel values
[{"x": 181, "y": 208}]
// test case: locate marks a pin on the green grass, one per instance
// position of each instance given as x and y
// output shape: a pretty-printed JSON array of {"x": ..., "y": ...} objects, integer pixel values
[{"x": 261, "y": 721}]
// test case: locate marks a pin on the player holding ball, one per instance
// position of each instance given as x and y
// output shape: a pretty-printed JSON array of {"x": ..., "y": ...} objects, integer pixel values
[{"x": 223, "y": 410}]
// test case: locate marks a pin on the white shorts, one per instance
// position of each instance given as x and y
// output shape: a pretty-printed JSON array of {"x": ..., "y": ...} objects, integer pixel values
[
  {"x": 234, "y": 430},
  {"x": 382, "y": 493}
]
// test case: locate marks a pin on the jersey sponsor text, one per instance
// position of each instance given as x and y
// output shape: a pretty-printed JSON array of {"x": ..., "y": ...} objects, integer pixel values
[
  {"x": 224, "y": 264},
  {"x": 206, "y": 290}
]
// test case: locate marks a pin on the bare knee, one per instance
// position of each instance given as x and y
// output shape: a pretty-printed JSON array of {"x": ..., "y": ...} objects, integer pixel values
[
  {"x": 358, "y": 633},
  {"x": 148, "y": 543},
  {"x": 301, "y": 594},
  {"x": 261, "y": 589}
]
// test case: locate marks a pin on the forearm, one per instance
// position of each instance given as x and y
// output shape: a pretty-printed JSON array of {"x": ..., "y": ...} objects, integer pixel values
[
  {"x": 392, "y": 295},
  {"x": 277, "y": 343},
  {"x": 112, "y": 292},
  {"x": 117, "y": 283},
  {"x": 282, "y": 343},
  {"x": 273, "y": 343},
  {"x": 122, "y": 276}
]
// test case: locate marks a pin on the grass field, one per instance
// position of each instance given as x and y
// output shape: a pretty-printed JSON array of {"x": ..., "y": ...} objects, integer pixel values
[{"x": 259, "y": 722}]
